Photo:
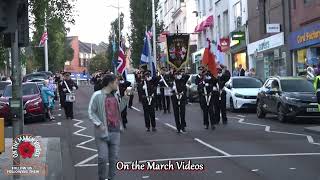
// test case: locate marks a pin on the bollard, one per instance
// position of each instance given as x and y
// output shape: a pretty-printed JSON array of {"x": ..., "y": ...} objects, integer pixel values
[{"x": 2, "y": 143}]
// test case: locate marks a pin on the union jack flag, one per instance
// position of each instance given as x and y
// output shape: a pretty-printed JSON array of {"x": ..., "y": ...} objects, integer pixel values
[
  {"x": 43, "y": 39},
  {"x": 121, "y": 61}
]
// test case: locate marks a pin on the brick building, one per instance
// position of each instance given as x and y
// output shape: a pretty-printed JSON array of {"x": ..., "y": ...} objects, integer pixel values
[{"x": 269, "y": 28}]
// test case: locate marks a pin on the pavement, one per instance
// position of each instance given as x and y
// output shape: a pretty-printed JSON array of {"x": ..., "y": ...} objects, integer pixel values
[
  {"x": 247, "y": 148},
  {"x": 313, "y": 129}
]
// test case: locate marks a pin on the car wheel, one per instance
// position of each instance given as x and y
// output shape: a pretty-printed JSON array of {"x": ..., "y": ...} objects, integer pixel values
[
  {"x": 232, "y": 109},
  {"x": 260, "y": 111},
  {"x": 281, "y": 114}
]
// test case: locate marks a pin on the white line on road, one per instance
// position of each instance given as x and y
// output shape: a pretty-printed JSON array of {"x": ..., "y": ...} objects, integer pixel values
[
  {"x": 267, "y": 129},
  {"x": 60, "y": 109},
  {"x": 169, "y": 125},
  {"x": 212, "y": 157},
  {"x": 211, "y": 147},
  {"x": 77, "y": 133},
  {"x": 255, "y": 170},
  {"x": 136, "y": 109},
  {"x": 59, "y": 115},
  {"x": 292, "y": 168},
  {"x": 241, "y": 116},
  {"x": 218, "y": 172},
  {"x": 145, "y": 177}
]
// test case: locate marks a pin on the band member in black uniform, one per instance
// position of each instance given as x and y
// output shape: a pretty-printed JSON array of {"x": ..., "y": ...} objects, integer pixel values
[
  {"x": 220, "y": 100},
  {"x": 123, "y": 85},
  {"x": 68, "y": 85},
  {"x": 179, "y": 99},
  {"x": 165, "y": 79},
  {"x": 148, "y": 101},
  {"x": 207, "y": 90},
  {"x": 198, "y": 80},
  {"x": 139, "y": 79}
]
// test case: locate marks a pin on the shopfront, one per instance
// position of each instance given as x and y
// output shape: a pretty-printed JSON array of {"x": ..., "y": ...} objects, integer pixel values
[
  {"x": 267, "y": 56},
  {"x": 196, "y": 59},
  {"x": 305, "y": 46},
  {"x": 238, "y": 50}
]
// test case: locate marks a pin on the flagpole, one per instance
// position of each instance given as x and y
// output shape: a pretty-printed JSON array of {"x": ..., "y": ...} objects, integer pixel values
[
  {"x": 46, "y": 62},
  {"x": 119, "y": 29},
  {"x": 154, "y": 36}
]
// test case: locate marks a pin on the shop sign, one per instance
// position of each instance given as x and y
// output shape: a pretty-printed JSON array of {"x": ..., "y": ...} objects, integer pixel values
[
  {"x": 224, "y": 44},
  {"x": 273, "y": 28},
  {"x": 307, "y": 36},
  {"x": 266, "y": 44},
  {"x": 240, "y": 36}
]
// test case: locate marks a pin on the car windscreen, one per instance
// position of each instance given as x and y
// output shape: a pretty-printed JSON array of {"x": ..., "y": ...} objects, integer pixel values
[
  {"x": 3, "y": 85},
  {"x": 296, "y": 85},
  {"x": 27, "y": 89},
  {"x": 36, "y": 76},
  {"x": 246, "y": 83}
]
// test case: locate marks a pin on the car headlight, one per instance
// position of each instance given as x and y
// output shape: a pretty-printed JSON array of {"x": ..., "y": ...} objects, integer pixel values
[
  {"x": 292, "y": 99},
  {"x": 239, "y": 95}
]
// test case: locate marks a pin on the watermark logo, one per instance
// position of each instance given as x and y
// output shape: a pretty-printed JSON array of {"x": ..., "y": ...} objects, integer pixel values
[{"x": 26, "y": 157}]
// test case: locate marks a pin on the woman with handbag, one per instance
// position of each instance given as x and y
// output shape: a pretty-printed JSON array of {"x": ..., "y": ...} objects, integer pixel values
[{"x": 68, "y": 87}]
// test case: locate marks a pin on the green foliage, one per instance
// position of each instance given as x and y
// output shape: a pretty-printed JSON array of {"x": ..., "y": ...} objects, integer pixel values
[
  {"x": 59, "y": 12},
  {"x": 141, "y": 17},
  {"x": 2, "y": 53},
  {"x": 98, "y": 63}
]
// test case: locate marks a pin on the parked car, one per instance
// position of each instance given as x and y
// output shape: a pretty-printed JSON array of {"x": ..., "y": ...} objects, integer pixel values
[
  {"x": 192, "y": 91},
  {"x": 3, "y": 85},
  {"x": 32, "y": 103},
  {"x": 288, "y": 98},
  {"x": 38, "y": 76},
  {"x": 241, "y": 92}
]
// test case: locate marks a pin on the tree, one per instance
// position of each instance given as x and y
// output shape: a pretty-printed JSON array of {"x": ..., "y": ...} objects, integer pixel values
[
  {"x": 98, "y": 63},
  {"x": 114, "y": 37},
  {"x": 58, "y": 13},
  {"x": 141, "y": 18}
]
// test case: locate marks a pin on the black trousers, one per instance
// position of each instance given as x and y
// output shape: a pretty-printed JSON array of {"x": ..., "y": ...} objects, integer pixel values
[
  {"x": 179, "y": 111},
  {"x": 158, "y": 104},
  {"x": 207, "y": 110},
  {"x": 318, "y": 96},
  {"x": 68, "y": 109},
  {"x": 62, "y": 98},
  {"x": 124, "y": 117},
  {"x": 165, "y": 101},
  {"x": 220, "y": 107},
  {"x": 131, "y": 100},
  {"x": 149, "y": 113}
]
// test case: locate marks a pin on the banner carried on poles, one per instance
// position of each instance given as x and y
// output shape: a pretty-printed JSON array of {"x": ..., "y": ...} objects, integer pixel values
[{"x": 177, "y": 50}]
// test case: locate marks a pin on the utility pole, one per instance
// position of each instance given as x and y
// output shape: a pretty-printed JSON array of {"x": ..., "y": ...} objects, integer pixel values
[
  {"x": 154, "y": 35},
  {"x": 16, "y": 100},
  {"x": 46, "y": 62}
]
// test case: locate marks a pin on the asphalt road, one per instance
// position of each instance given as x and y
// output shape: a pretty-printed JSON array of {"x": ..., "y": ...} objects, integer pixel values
[{"x": 247, "y": 148}]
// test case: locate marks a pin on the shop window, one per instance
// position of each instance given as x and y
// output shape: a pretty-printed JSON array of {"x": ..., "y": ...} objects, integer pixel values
[{"x": 240, "y": 58}]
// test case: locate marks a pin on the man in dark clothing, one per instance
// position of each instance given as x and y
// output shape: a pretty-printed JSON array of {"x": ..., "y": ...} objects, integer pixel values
[
  {"x": 123, "y": 85},
  {"x": 179, "y": 99},
  {"x": 220, "y": 99},
  {"x": 164, "y": 79},
  {"x": 199, "y": 80},
  {"x": 207, "y": 88},
  {"x": 148, "y": 102},
  {"x": 68, "y": 86},
  {"x": 242, "y": 71}
]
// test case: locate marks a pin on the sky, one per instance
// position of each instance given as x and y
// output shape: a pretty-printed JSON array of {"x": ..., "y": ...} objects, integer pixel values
[{"x": 93, "y": 18}]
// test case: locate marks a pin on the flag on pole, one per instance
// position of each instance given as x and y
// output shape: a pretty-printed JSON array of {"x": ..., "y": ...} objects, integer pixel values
[
  {"x": 43, "y": 39},
  {"x": 146, "y": 55},
  {"x": 145, "y": 52},
  {"x": 121, "y": 61},
  {"x": 210, "y": 60}
]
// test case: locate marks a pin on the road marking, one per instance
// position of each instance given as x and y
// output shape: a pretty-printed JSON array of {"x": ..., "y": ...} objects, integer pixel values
[
  {"x": 145, "y": 177},
  {"x": 136, "y": 109},
  {"x": 241, "y": 116},
  {"x": 77, "y": 133},
  {"x": 292, "y": 168},
  {"x": 169, "y": 125},
  {"x": 59, "y": 115},
  {"x": 83, "y": 163},
  {"x": 218, "y": 172},
  {"x": 59, "y": 109},
  {"x": 255, "y": 170},
  {"x": 211, "y": 147},
  {"x": 267, "y": 129},
  {"x": 45, "y": 124},
  {"x": 209, "y": 157}
]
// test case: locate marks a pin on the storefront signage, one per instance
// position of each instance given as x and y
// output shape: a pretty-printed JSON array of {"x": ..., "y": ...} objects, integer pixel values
[
  {"x": 238, "y": 35},
  {"x": 266, "y": 44},
  {"x": 307, "y": 36},
  {"x": 224, "y": 44},
  {"x": 273, "y": 28}
]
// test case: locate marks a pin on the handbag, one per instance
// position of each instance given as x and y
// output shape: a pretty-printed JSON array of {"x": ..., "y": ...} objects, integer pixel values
[{"x": 70, "y": 96}]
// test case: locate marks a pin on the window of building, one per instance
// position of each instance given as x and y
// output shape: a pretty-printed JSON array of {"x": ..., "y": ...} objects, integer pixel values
[
  {"x": 211, "y": 4},
  {"x": 204, "y": 8},
  {"x": 237, "y": 14},
  {"x": 219, "y": 25},
  {"x": 165, "y": 7},
  {"x": 225, "y": 24}
]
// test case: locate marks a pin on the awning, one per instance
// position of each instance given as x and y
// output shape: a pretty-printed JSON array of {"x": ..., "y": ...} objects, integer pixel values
[{"x": 204, "y": 24}]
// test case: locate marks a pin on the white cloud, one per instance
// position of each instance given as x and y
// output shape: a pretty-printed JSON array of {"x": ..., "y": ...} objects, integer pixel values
[{"x": 94, "y": 17}]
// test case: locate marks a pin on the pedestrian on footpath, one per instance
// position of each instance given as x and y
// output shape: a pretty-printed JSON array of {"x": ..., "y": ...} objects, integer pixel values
[
  {"x": 104, "y": 112},
  {"x": 220, "y": 100},
  {"x": 68, "y": 88},
  {"x": 48, "y": 98},
  {"x": 179, "y": 99},
  {"x": 123, "y": 85},
  {"x": 148, "y": 100}
]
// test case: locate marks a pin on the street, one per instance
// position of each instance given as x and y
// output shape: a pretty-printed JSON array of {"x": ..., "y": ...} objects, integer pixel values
[{"x": 247, "y": 148}]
